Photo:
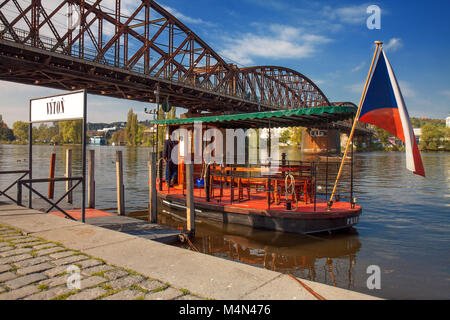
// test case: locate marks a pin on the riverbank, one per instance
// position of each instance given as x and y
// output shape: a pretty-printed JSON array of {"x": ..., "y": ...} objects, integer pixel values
[{"x": 25, "y": 266}]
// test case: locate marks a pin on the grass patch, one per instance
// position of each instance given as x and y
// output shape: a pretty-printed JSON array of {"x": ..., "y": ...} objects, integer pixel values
[
  {"x": 140, "y": 298},
  {"x": 107, "y": 287},
  {"x": 159, "y": 289},
  {"x": 137, "y": 288},
  {"x": 185, "y": 291},
  {"x": 34, "y": 254},
  {"x": 66, "y": 295},
  {"x": 43, "y": 287}
]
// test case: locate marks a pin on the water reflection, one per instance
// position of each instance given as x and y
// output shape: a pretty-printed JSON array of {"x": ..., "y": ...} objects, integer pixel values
[{"x": 404, "y": 228}]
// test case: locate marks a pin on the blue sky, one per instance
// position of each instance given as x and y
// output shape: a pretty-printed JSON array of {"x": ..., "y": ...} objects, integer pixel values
[{"x": 328, "y": 41}]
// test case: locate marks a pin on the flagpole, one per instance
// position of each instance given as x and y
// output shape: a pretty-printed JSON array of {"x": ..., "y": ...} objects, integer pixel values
[{"x": 358, "y": 113}]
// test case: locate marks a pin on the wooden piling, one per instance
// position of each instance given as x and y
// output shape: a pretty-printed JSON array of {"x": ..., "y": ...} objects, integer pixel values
[
  {"x": 69, "y": 197},
  {"x": 91, "y": 179},
  {"x": 190, "y": 211},
  {"x": 153, "y": 198},
  {"x": 51, "y": 184},
  {"x": 120, "y": 186}
]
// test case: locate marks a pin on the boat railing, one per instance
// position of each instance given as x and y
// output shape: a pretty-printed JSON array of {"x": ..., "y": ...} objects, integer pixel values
[{"x": 272, "y": 184}]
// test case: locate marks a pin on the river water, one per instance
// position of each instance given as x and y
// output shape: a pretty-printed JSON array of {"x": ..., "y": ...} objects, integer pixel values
[{"x": 404, "y": 229}]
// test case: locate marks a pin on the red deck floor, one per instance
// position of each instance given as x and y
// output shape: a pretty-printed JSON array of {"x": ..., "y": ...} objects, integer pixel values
[{"x": 258, "y": 201}]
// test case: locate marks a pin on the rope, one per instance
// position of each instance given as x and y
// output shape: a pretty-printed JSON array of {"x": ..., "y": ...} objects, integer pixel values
[
  {"x": 191, "y": 244},
  {"x": 290, "y": 189},
  {"x": 315, "y": 294}
]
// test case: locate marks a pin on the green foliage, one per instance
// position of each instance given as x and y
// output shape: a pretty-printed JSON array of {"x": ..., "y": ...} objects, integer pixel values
[
  {"x": 420, "y": 123},
  {"x": 132, "y": 129},
  {"x": 20, "y": 130},
  {"x": 71, "y": 131},
  {"x": 6, "y": 134},
  {"x": 285, "y": 136},
  {"x": 434, "y": 138},
  {"x": 296, "y": 136}
]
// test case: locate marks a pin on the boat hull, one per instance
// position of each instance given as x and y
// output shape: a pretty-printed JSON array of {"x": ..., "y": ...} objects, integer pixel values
[{"x": 283, "y": 221}]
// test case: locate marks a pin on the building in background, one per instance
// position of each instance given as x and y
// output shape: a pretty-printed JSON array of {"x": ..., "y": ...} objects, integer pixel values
[{"x": 447, "y": 121}]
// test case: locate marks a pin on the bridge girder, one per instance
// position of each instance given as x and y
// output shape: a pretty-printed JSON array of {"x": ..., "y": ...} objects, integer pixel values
[{"x": 130, "y": 52}]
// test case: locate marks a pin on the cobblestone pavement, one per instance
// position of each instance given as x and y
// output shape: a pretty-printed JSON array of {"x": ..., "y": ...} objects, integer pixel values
[{"x": 35, "y": 269}]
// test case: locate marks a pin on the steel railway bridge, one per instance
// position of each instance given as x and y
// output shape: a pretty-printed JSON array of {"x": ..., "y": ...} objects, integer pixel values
[{"x": 137, "y": 53}]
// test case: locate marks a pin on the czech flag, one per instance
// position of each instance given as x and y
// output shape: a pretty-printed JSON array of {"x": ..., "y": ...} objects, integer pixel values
[{"x": 384, "y": 107}]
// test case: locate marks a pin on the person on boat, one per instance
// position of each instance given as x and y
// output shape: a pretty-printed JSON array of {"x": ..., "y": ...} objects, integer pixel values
[{"x": 171, "y": 167}]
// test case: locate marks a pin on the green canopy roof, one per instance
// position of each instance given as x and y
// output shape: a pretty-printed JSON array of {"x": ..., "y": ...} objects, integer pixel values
[{"x": 275, "y": 119}]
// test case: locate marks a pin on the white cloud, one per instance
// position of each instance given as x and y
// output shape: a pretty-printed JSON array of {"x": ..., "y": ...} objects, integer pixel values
[
  {"x": 275, "y": 42},
  {"x": 407, "y": 90},
  {"x": 446, "y": 93},
  {"x": 184, "y": 18},
  {"x": 359, "y": 67},
  {"x": 347, "y": 15},
  {"x": 356, "y": 88},
  {"x": 393, "y": 45}
]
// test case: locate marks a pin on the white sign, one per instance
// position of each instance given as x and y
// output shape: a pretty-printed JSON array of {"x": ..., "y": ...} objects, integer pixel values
[{"x": 68, "y": 106}]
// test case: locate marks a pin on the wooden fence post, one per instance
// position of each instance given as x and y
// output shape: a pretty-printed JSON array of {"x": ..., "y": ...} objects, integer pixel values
[
  {"x": 153, "y": 198},
  {"x": 51, "y": 185},
  {"x": 120, "y": 186},
  {"x": 69, "y": 197},
  {"x": 190, "y": 211},
  {"x": 91, "y": 179}
]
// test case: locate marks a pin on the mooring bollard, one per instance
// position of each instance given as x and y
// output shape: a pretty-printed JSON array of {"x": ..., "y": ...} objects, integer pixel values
[
  {"x": 120, "y": 186},
  {"x": 69, "y": 197},
  {"x": 190, "y": 211},
  {"x": 51, "y": 184},
  {"x": 153, "y": 198},
  {"x": 91, "y": 179}
]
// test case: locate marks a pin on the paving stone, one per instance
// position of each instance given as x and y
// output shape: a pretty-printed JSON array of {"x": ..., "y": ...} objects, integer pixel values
[
  {"x": 4, "y": 268},
  {"x": 125, "y": 295},
  {"x": 5, "y": 276},
  {"x": 28, "y": 245},
  {"x": 4, "y": 244},
  {"x": 56, "y": 281},
  {"x": 151, "y": 285},
  {"x": 89, "y": 263},
  {"x": 70, "y": 260},
  {"x": 44, "y": 246},
  {"x": 94, "y": 270},
  {"x": 31, "y": 262},
  {"x": 55, "y": 271},
  {"x": 24, "y": 280},
  {"x": 116, "y": 274},
  {"x": 62, "y": 254},
  {"x": 36, "y": 268},
  {"x": 168, "y": 294},
  {"x": 6, "y": 248},
  {"x": 14, "y": 252},
  {"x": 13, "y": 259},
  {"x": 125, "y": 282},
  {"x": 44, "y": 252},
  {"x": 25, "y": 240},
  {"x": 14, "y": 237},
  {"x": 188, "y": 297},
  {"x": 19, "y": 293},
  {"x": 92, "y": 282},
  {"x": 49, "y": 294},
  {"x": 88, "y": 294}
]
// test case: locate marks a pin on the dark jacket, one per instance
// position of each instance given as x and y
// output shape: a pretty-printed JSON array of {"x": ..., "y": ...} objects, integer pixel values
[{"x": 169, "y": 145}]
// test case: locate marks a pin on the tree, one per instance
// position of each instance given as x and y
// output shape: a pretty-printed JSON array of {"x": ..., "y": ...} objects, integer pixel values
[
  {"x": 432, "y": 137},
  {"x": 118, "y": 137},
  {"x": 296, "y": 135},
  {"x": 71, "y": 131},
  {"x": 20, "y": 130},
  {"x": 285, "y": 136},
  {"x": 6, "y": 134},
  {"x": 132, "y": 129}
]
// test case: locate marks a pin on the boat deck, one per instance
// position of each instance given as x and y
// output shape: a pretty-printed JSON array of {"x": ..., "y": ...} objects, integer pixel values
[{"x": 258, "y": 203}]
